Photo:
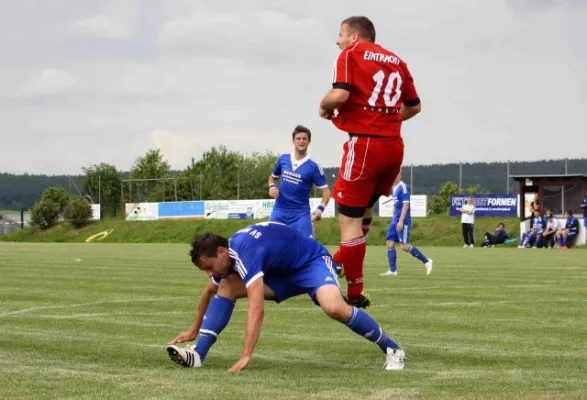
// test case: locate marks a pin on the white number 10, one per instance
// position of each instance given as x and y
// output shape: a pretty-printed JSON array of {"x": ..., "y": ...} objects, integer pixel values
[{"x": 394, "y": 79}]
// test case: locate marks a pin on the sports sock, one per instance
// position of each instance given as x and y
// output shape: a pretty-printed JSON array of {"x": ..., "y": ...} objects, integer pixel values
[
  {"x": 538, "y": 241},
  {"x": 391, "y": 257},
  {"x": 560, "y": 240},
  {"x": 414, "y": 251},
  {"x": 353, "y": 254},
  {"x": 366, "y": 225},
  {"x": 565, "y": 241},
  {"x": 362, "y": 324},
  {"x": 215, "y": 320},
  {"x": 337, "y": 258}
]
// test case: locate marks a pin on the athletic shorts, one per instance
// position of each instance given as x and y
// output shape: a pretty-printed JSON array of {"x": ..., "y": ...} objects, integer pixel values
[
  {"x": 300, "y": 221},
  {"x": 369, "y": 167},
  {"x": 398, "y": 237},
  {"x": 307, "y": 280}
]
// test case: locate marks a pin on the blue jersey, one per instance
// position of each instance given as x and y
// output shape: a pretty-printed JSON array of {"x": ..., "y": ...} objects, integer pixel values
[
  {"x": 572, "y": 225},
  {"x": 271, "y": 247},
  {"x": 538, "y": 224},
  {"x": 401, "y": 196},
  {"x": 297, "y": 179}
]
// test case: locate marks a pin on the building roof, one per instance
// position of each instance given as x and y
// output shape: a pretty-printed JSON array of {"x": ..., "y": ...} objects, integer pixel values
[{"x": 550, "y": 177}]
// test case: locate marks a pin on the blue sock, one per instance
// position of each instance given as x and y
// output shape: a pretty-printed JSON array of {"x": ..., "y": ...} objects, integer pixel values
[
  {"x": 418, "y": 254},
  {"x": 538, "y": 241},
  {"x": 560, "y": 241},
  {"x": 362, "y": 324},
  {"x": 565, "y": 241},
  {"x": 391, "y": 257},
  {"x": 216, "y": 318}
]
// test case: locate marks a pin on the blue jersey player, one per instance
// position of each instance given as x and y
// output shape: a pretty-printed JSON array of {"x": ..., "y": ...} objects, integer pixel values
[
  {"x": 569, "y": 232},
  {"x": 267, "y": 261},
  {"x": 399, "y": 228},
  {"x": 297, "y": 173}
]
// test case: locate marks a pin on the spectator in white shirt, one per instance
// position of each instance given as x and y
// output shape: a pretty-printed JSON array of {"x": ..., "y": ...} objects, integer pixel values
[
  {"x": 467, "y": 223},
  {"x": 552, "y": 227}
]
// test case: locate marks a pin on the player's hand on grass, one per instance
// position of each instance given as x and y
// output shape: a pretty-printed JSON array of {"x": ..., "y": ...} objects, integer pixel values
[
  {"x": 240, "y": 364},
  {"x": 186, "y": 336},
  {"x": 274, "y": 192}
]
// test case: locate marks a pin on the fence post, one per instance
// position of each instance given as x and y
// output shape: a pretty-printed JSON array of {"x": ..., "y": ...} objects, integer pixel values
[{"x": 21, "y": 218}]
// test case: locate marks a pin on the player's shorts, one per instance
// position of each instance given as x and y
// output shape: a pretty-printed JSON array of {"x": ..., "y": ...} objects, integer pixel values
[
  {"x": 398, "y": 237},
  {"x": 300, "y": 221},
  {"x": 308, "y": 280},
  {"x": 571, "y": 234},
  {"x": 369, "y": 166}
]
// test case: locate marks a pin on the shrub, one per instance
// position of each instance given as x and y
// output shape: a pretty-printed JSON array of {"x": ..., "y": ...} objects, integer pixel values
[
  {"x": 45, "y": 213},
  {"x": 58, "y": 195},
  {"x": 78, "y": 212}
]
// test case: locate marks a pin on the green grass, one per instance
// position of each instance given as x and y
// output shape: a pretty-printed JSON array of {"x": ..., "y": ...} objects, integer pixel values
[
  {"x": 432, "y": 231},
  {"x": 92, "y": 321}
]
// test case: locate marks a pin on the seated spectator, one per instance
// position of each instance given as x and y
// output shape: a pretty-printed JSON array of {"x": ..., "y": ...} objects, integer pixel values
[
  {"x": 499, "y": 237},
  {"x": 567, "y": 235},
  {"x": 533, "y": 237},
  {"x": 552, "y": 227}
]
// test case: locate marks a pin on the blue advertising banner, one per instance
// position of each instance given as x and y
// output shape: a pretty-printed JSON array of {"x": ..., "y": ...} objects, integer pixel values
[
  {"x": 182, "y": 210},
  {"x": 487, "y": 205}
]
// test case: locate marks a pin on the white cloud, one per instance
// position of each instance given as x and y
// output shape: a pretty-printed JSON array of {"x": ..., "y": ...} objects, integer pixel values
[
  {"x": 103, "y": 27},
  {"x": 48, "y": 82}
]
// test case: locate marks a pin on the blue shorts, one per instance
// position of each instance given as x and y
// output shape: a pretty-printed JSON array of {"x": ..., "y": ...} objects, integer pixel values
[
  {"x": 300, "y": 221},
  {"x": 308, "y": 280},
  {"x": 398, "y": 237}
]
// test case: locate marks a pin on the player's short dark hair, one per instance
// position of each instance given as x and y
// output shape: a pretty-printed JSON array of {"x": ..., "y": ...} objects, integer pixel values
[
  {"x": 301, "y": 129},
  {"x": 207, "y": 245},
  {"x": 363, "y": 26},
  {"x": 501, "y": 224},
  {"x": 570, "y": 212}
]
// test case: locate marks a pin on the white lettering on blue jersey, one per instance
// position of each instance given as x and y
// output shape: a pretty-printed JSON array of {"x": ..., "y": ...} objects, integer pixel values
[
  {"x": 297, "y": 179},
  {"x": 401, "y": 196}
]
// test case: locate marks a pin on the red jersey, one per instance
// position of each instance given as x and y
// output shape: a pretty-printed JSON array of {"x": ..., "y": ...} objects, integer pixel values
[{"x": 379, "y": 83}]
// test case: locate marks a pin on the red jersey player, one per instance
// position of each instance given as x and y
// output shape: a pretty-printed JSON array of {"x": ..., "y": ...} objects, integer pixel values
[{"x": 372, "y": 93}]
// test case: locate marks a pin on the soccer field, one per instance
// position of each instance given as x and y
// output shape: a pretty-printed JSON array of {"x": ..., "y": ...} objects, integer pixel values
[{"x": 92, "y": 321}]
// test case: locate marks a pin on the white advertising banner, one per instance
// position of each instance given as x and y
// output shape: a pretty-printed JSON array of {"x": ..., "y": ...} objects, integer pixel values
[
  {"x": 95, "y": 212},
  {"x": 258, "y": 209},
  {"x": 418, "y": 206},
  {"x": 141, "y": 211}
]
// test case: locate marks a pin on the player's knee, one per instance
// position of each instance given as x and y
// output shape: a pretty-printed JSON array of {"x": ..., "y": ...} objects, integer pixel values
[
  {"x": 405, "y": 247},
  {"x": 339, "y": 310},
  {"x": 390, "y": 244}
]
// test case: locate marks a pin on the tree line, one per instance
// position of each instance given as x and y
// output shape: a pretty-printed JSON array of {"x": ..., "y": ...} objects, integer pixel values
[{"x": 226, "y": 174}]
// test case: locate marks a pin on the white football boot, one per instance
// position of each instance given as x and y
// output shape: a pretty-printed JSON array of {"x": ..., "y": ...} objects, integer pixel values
[
  {"x": 186, "y": 357},
  {"x": 428, "y": 266},
  {"x": 395, "y": 359}
]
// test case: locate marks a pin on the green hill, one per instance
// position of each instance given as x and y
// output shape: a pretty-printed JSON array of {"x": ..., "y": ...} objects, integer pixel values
[{"x": 430, "y": 231}]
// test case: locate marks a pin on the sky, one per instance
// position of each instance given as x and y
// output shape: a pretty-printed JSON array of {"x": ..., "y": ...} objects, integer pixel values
[{"x": 498, "y": 80}]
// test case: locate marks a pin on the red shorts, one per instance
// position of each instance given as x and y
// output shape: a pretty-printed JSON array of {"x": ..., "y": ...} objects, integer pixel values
[{"x": 369, "y": 167}]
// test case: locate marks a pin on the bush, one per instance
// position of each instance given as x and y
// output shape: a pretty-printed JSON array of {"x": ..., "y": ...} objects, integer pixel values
[
  {"x": 58, "y": 195},
  {"x": 78, "y": 212},
  {"x": 45, "y": 213}
]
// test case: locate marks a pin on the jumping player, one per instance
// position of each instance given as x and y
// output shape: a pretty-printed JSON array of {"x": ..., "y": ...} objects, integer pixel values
[
  {"x": 399, "y": 229},
  {"x": 267, "y": 261},
  {"x": 372, "y": 94},
  {"x": 297, "y": 172}
]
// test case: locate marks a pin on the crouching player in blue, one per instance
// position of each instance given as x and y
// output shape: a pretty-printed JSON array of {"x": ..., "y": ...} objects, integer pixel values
[
  {"x": 399, "y": 229},
  {"x": 297, "y": 173},
  {"x": 267, "y": 261}
]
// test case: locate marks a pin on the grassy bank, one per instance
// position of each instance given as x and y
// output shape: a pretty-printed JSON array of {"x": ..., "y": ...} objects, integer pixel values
[{"x": 431, "y": 231}]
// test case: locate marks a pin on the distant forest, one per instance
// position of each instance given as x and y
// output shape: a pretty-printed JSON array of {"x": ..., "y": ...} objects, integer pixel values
[{"x": 18, "y": 191}]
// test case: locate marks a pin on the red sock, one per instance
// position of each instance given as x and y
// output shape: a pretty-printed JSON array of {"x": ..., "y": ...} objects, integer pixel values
[
  {"x": 353, "y": 254},
  {"x": 337, "y": 258}
]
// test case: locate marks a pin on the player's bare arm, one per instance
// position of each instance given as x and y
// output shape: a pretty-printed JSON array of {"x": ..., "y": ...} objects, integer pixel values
[
  {"x": 408, "y": 112},
  {"x": 273, "y": 189},
  {"x": 256, "y": 295},
  {"x": 205, "y": 298},
  {"x": 334, "y": 99}
]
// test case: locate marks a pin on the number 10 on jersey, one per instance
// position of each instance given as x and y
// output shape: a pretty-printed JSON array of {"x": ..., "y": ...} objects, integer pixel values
[{"x": 394, "y": 83}]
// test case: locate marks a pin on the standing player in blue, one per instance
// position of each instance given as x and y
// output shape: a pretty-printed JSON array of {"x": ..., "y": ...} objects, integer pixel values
[
  {"x": 399, "y": 228},
  {"x": 297, "y": 172},
  {"x": 267, "y": 261}
]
